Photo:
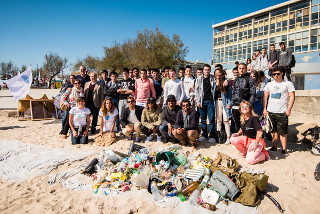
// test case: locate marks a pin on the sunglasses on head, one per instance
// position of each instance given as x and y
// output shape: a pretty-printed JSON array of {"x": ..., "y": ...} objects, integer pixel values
[
  {"x": 276, "y": 74},
  {"x": 171, "y": 101}
]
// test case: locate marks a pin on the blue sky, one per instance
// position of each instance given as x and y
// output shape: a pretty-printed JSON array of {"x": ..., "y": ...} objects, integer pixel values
[{"x": 74, "y": 29}]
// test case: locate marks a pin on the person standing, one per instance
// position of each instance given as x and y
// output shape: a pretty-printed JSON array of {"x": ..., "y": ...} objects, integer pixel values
[
  {"x": 69, "y": 98},
  {"x": 205, "y": 103},
  {"x": 168, "y": 118},
  {"x": 186, "y": 126},
  {"x": 258, "y": 60},
  {"x": 135, "y": 73},
  {"x": 273, "y": 59},
  {"x": 144, "y": 87},
  {"x": 131, "y": 74},
  {"x": 264, "y": 64},
  {"x": 83, "y": 77},
  {"x": 222, "y": 96},
  {"x": 79, "y": 121},
  {"x": 130, "y": 119},
  {"x": 285, "y": 58},
  {"x": 188, "y": 82},
  {"x": 94, "y": 97},
  {"x": 281, "y": 96},
  {"x": 165, "y": 76},
  {"x": 126, "y": 89},
  {"x": 157, "y": 81},
  {"x": 174, "y": 87},
  {"x": 243, "y": 89},
  {"x": 182, "y": 72},
  {"x": 105, "y": 78}
]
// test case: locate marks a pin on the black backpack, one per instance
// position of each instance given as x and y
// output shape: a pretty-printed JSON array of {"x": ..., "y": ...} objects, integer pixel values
[{"x": 293, "y": 62}]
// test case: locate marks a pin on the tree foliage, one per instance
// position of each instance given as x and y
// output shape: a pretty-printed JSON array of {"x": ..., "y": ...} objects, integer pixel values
[
  {"x": 90, "y": 62},
  {"x": 53, "y": 65},
  {"x": 7, "y": 68},
  {"x": 150, "y": 49}
]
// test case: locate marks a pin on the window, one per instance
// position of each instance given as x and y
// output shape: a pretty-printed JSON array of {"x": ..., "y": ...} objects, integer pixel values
[
  {"x": 277, "y": 40},
  {"x": 279, "y": 24},
  {"x": 245, "y": 32},
  {"x": 298, "y": 42},
  {"x": 260, "y": 44},
  {"x": 299, "y": 17},
  {"x": 315, "y": 39},
  {"x": 261, "y": 28},
  {"x": 315, "y": 16}
]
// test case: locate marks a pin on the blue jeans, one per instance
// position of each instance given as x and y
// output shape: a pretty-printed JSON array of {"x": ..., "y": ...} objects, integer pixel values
[
  {"x": 258, "y": 108},
  {"x": 164, "y": 131},
  {"x": 207, "y": 110},
  {"x": 64, "y": 119},
  {"x": 80, "y": 139}
]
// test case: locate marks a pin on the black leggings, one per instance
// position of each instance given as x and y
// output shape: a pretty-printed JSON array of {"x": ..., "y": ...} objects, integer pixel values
[
  {"x": 66, "y": 125},
  {"x": 236, "y": 118},
  {"x": 148, "y": 132}
]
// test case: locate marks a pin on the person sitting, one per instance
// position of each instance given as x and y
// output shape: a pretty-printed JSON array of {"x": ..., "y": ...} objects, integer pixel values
[
  {"x": 108, "y": 115},
  {"x": 186, "y": 126},
  {"x": 248, "y": 140},
  {"x": 168, "y": 118},
  {"x": 130, "y": 119},
  {"x": 79, "y": 120},
  {"x": 151, "y": 120}
]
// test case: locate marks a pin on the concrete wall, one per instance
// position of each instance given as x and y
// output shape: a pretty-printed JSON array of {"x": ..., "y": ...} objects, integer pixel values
[{"x": 306, "y": 108}]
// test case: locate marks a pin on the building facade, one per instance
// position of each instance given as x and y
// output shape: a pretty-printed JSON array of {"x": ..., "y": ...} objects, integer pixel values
[{"x": 295, "y": 22}]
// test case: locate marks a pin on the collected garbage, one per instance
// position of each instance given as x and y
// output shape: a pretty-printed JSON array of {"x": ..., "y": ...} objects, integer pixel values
[
  {"x": 171, "y": 173},
  {"x": 312, "y": 136}
]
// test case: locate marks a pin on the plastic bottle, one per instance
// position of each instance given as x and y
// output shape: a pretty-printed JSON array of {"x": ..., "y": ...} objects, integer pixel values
[
  {"x": 194, "y": 196},
  {"x": 155, "y": 191},
  {"x": 190, "y": 188},
  {"x": 204, "y": 182},
  {"x": 209, "y": 206}
]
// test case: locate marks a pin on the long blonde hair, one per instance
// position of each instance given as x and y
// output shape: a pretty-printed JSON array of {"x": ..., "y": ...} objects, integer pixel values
[
  {"x": 104, "y": 108},
  {"x": 242, "y": 119}
]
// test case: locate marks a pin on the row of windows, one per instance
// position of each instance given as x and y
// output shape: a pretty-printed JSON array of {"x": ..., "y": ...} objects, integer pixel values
[
  {"x": 297, "y": 42},
  {"x": 299, "y": 18}
]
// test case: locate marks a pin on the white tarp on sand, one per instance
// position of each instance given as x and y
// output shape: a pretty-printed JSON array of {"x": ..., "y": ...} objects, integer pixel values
[{"x": 19, "y": 161}]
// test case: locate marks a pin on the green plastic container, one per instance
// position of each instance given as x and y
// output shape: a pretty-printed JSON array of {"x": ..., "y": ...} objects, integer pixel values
[{"x": 166, "y": 156}]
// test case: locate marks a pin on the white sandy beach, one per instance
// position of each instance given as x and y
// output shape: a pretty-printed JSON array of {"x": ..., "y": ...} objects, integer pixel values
[{"x": 291, "y": 178}]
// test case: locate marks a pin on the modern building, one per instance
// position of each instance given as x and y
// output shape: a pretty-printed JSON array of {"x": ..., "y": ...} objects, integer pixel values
[{"x": 295, "y": 22}]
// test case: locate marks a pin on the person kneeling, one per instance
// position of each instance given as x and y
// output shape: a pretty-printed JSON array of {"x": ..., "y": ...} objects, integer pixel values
[
  {"x": 251, "y": 144},
  {"x": 151, "y": 120},
  {"x": 79, "y": 120},
  {"x": 186, "y": 127},
  {"x": 108, "y": 115},
  {"x": 131, "y": 119}
]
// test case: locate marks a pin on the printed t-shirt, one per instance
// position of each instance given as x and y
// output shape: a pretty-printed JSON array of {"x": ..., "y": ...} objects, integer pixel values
[
  {"x": 251, "y": 126},
  {"x": 108, "y": 120},
  {"x": 79, "y": 116}
]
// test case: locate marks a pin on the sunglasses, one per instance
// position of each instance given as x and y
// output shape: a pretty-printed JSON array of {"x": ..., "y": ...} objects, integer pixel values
[
  {"x": 77, "y": 83},
  {"x": 186, "y": 105},
  {"x": 130, "y": 101},
  {"x": 276, "y": 74},
  {"x": 71, "y": 78},
  {"x": 245, "y": 106}
]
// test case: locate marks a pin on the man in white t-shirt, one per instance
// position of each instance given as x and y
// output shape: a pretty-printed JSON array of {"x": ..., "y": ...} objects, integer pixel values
[
  {"x": 188, "y": 82},
  {"x": 281, "y": 98},
  {"x": 174, "y": 87}
]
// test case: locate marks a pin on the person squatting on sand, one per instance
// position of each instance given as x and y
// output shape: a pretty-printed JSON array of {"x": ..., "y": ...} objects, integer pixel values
[
  {"x": 79, "y": 120},
  {"x": 248, "y": 140},
  {"x": 186, "y": 127},
  {"x": 130, "y": 119}
]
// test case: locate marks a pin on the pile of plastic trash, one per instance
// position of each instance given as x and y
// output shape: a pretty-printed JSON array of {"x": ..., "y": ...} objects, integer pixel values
[{"x": 165, "y": 173}]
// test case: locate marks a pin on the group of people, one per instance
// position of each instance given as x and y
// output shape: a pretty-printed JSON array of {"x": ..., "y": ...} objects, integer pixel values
[{"x": 170, "y": 108}]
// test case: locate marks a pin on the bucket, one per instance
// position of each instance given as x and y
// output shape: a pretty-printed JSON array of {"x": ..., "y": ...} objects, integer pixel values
[{"x": 166, "y": 156}]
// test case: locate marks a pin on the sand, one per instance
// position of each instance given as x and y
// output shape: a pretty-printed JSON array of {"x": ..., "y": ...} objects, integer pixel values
[{"x": 291, "y": 178}]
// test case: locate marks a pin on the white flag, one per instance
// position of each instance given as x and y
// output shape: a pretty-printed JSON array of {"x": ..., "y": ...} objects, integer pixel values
[{"x": 20, "y": 84}]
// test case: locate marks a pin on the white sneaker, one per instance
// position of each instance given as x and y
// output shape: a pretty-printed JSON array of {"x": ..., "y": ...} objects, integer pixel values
[
  {"x": 150, "y": 138},
  {"x": 159, "y": 139},
  {"x": 212, "y": 140},
  {"x": 201, "y": 139},
  {"x": 227, "y": 142}
]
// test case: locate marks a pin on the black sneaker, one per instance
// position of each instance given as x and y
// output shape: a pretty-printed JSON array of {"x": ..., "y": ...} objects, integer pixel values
[
  {"x": 273, "y": 149},
  {"x": 284, "y": 152},
  {"x": 61, "y": 132},
  {"x": 166, "y": 140}
]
